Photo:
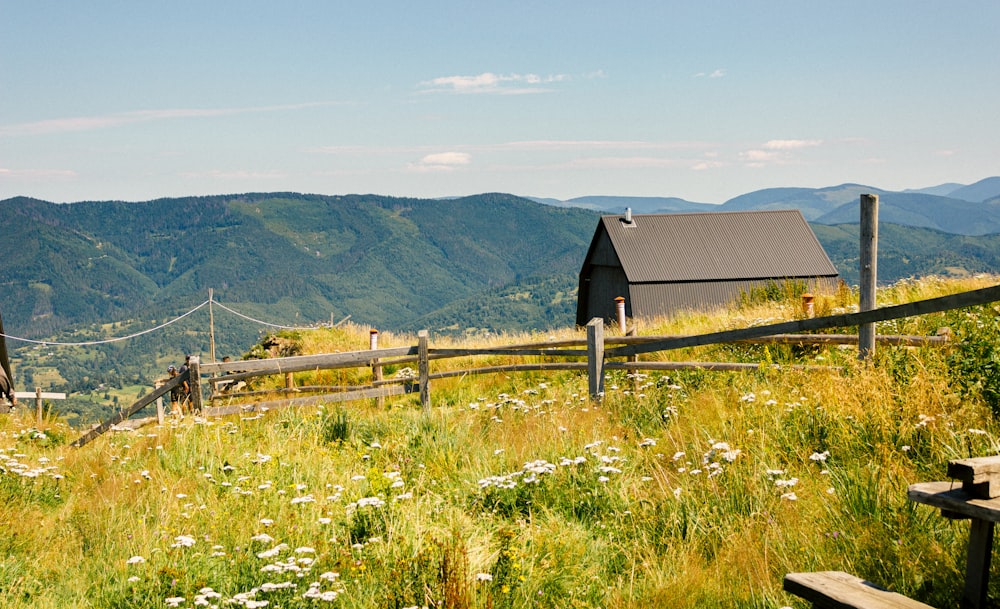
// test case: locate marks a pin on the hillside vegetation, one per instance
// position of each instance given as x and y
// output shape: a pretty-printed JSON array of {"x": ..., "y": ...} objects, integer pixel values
[
  {"x": 384, "y": 260},
  {"x": 475, "y": 266},
  {"x": 688, "y": 489}
]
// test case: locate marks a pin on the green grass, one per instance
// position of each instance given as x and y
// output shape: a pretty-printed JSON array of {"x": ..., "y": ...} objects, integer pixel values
[{"x": 692, "y": 489}]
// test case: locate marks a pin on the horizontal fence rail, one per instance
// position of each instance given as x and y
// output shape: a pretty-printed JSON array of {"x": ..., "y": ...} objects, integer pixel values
[
  {"x": 590, "y": 355},
  {"x": 911, "y": 309},
  {"x": 144, "y": 401}
]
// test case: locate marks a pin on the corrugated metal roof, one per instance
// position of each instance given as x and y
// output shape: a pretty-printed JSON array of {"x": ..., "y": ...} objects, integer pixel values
[{"x": 717, "y": 246}]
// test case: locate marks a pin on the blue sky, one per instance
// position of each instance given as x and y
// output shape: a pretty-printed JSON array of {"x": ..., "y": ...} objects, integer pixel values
[{"x": 701, "y": 100}]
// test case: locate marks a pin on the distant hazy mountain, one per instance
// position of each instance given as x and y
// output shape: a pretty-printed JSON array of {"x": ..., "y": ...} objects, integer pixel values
[
  {"x": 952, "y": 208},
  {"x": 905, "y": 251},
  {"x": 812, "y": 202},
  {"x": 941, "y": 190},
  {"x": 639, "y": 205},
  {"x": 946, "y": 214},
  {"x": 980, "y": 191}
]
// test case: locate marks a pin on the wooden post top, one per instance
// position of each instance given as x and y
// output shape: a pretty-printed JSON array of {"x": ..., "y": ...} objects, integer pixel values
[{"x": 980, "y": 476}]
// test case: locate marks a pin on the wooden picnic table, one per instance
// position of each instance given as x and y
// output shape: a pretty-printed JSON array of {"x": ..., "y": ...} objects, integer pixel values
[{"x": 973, "y": 494}]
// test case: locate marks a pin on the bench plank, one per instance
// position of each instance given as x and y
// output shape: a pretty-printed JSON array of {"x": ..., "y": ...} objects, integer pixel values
[
  {"x": 980, "y": 476},
  {"x": 839, "y": 590}
]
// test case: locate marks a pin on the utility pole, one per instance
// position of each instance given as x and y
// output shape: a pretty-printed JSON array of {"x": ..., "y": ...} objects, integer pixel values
[
  {"x": 869, "y": 272},
  {"x": 211, "y": 326}
]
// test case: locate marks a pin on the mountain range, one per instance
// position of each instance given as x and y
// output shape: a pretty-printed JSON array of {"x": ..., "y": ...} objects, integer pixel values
[
  {"x": 384, "y": 260},
  {"x": 959, "y": 209},
  {"x": 82, "y": 272},
  {"x": 396, "y": 262}
]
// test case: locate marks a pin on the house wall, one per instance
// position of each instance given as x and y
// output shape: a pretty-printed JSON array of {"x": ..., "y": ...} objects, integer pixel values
[
  {"x": 667, "y": 299},
  {"x": 606, "y": 284}
]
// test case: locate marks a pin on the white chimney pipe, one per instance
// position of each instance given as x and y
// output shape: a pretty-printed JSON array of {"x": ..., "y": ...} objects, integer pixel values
[{"x": 628, "y": 215}]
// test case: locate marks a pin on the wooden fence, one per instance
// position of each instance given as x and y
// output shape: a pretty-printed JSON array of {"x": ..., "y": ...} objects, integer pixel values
[{"x": 591, "y": 355}]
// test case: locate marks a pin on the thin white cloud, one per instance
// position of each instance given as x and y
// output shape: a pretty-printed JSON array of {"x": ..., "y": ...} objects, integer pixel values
[
  {"x": 719, "y": 73},
  {"x": 90, "y": 123},
  {"x": 706, "y": 165},
  {"x": 583, "y": 145},
  {"x": 777, "y": 152},
  {"x": 520, "y": 146},
  {"x": 238, "y": 174},
  {"x": 635, "y": 162},
  {"x": 37, "y": 174},
  {"x": 447, "y": 158},
  {"x": 489, "y": 82},
  {"x": 791, "y": 144},
  {"x": 759, "y": 158},
  {"x": 441, "y": 161}
]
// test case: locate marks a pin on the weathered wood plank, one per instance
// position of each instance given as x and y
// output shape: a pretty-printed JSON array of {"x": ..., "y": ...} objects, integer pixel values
[
  {"x": 977, "y": 566},
  {"x": 301, "y": 363},
  {"x": 839, "y": 590},
  {"x": 712, "y": 366},
  {"x": 513, "y": 350},
  {"x": 194, "y": 383},
  {"x": 361, "y": 394},
  {"x": 868, "y": 233},
  {"x": 424, "y": 369},
  {"x": 949, "y": 496},
  {"x": 511, "y": 368},
  {"x": 980, "y": 476},
  {"x": 595, "y": 357},
  {"x": 45, "y": 395},
  {"x": 908, "y": 340},
  {"x": 910, "y": 309},
  {"x": 956, "y": 503},
  {"x": 146, "y": 400}
]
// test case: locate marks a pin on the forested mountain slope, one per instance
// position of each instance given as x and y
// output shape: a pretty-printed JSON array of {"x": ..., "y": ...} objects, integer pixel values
[{"x": 383, "y": 260}]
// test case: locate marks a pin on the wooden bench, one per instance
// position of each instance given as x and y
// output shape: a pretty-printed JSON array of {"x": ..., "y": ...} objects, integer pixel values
[
  {"x": 839, "y": 590},
  {"x": 978, "y": 500}
]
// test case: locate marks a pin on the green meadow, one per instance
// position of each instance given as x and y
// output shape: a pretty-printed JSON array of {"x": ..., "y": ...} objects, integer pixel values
[{"x": 680, "y": 489}]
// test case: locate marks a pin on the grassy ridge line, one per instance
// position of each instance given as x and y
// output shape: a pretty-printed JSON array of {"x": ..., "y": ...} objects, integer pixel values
[{"x": 690, "y": 490}]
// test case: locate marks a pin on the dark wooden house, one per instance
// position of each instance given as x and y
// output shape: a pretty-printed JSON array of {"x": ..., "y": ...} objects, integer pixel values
[{"x": 664, "y": 263}]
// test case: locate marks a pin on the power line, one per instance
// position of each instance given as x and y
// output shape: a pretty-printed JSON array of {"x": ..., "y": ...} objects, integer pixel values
[
  {"x": 89, "y": 343},
  {"x": 257, "y": 321},
  {"x": 49, "y": 343}
]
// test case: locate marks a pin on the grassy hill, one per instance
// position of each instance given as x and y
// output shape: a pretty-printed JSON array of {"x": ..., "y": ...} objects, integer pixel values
[
  {"x": 488, "y": 264},
  {"x": 683, "y": 489}
]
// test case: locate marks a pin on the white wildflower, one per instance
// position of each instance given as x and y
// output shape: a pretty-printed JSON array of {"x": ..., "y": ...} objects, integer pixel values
[{"x": 821, "y": 457}]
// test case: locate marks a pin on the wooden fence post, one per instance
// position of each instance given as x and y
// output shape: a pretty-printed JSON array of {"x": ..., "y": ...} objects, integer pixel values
[
  {"x": 376, "y": 366},
  {"x": 869, "y": 274},
  {"x": 424, "y": 370},
  {"x": 620, "y": 310},
  {"x": 634, "y": 358},
  {"x": 595, "y": 357},
  {"x": 38, "y": 404},
  {"x": 159, "y": 404},
  {"x": 194, "y": 382}
]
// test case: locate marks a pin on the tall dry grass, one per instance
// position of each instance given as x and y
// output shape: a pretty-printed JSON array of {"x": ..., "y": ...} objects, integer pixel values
[{"x": 688, "y": 489}]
